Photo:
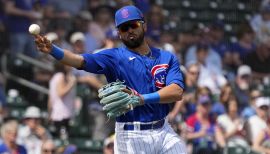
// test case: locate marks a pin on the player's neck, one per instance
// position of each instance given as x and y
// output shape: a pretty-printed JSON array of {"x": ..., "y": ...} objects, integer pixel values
[{"x": 143, "y": 49}]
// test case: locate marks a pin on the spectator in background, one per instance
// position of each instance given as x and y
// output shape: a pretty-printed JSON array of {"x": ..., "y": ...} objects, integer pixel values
[
  {"x": 143, "y": 5},
  {"x": 48, "y": 147},
  {"x": 32, "y": 133},
  {"x": 20, "y": 15},
  {"x": 251, "y": 109},
  {"x": 226, "y": 94},
  {"x": 104, "y": 20},
  {"x": 100, "y": 128},
  {"x": 242, "y": 85},
  {"x": 56, "y": 12},
  {"x": 60, "y": 29},
  {"x": 229, "y": 124},
  {"x": 112, "y": 40},
  {"x": 244, "y": 45},
  {"x": 204, "y": 54},
  {"x": 3, "y": 100},
  {"x": 77, "y": 41},
  {"x": 62, "y": 95},
  {"x": 191, "y": 79},
  {"x": 166, "y": 42},
  {"x": 84, "y": 23},
  {"x": 187, "y": 106},
  {"x": 9, "y": 134},
  {"x": 92, "y": 5},
  {"x": 210, "y": 74},
  {"x": 259, "y": 61},
  {"x": 216, "y": 38},
  {"x": 261, "y": 142},
  {"x": 155, "y": 26},
  {"x": 184, "y": 40},
  {"x": 192, "y": 76},
  {"x": 71, "y": 149},
  {"x": 108, "y": 145},
  {"x": 258, "y": 122},
  {"x": 260, "y": 22},
  {"x": 4, "y": 43},
  {"x": 191, "y": 100},
  {"x": 218, "y": 108},
  {"x": 122, "y": 3},
  {"x": 67, "y": 8},
  {"x": 201, "y": 129}
]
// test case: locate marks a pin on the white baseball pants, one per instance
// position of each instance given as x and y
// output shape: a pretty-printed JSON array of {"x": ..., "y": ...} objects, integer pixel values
[{"x": 158, "y": 141}]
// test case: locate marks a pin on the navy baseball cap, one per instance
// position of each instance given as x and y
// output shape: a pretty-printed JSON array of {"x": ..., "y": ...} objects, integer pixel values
[{"x": 127, "y": 13}]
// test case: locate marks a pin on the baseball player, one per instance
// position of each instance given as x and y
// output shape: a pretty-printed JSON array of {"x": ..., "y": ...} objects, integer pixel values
[{"x": 152, "y": 75}]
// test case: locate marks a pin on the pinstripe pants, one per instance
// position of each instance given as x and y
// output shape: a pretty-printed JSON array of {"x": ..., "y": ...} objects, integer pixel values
[{"x": 158, "y": 141}]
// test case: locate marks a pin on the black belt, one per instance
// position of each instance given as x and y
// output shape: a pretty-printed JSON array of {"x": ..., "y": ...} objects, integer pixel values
[{"x": 156, "y": 125}]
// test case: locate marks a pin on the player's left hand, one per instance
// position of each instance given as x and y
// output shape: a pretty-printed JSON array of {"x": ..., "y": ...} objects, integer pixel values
[{"x": 118, "y": 99}]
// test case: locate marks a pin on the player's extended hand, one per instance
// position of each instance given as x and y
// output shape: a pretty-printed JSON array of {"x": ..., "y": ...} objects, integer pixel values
[
  {"x": 43, "y": 44},
  {"x": 118, "y": 99}
]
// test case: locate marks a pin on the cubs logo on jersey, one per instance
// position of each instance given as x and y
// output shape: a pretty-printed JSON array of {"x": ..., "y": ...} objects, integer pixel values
[{"x": 159, "y": 73}]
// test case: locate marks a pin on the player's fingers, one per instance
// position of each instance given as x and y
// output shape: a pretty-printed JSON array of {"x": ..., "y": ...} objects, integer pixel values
[
  {"x": 48, "y": 43},
  {"x": 46, "y": 40},
  {"x": 40, "y": 49},
  {"x": 41, "y": 39},
  {"x": 127, "y": 91},
  {"x": 38, "y": 40},
  {"x": 38, "y": 37},
  {"x": 113, "y": 97}
]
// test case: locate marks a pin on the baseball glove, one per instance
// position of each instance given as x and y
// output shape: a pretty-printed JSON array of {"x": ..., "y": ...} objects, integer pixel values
[{"x": 118, "y": 99}]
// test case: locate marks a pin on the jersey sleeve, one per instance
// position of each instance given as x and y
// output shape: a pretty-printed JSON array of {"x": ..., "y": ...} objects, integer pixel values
[
  {"x": 174, "y": 73},
  {"x": 102, "y": 62}
]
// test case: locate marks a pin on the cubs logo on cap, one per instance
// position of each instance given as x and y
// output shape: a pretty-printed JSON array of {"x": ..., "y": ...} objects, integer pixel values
[
  {"x": 127, "y": 13},
  {"x": 124, "y": 13}
]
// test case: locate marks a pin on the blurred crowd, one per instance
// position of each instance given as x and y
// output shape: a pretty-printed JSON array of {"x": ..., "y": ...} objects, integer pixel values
[{"x": 227, "y": 94}]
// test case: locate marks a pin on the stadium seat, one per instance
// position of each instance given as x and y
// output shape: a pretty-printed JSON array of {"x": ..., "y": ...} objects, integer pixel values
[
  {"x": 213, "y": 5},
  {"x": 16, "y": 112},
  {"x": 87, "y": 144},
  {"x": 186, "y": 4},
  {"x": 80, "y": 131},
  {"x": 171, "y": 4},
  {"x": 227, "y": 6},
  {"x": 237, "y": 146},
  {"x": 200, "y": 5},
  {"x": 206, "y": 16},
  {"x": 253, "y": 152},
  {"x": 236, "y": 150}
]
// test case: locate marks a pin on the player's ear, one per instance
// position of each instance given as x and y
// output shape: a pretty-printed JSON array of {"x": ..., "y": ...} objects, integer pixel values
[
  {"x": 144, "y": 26},
  {"x": 118, "y": 33}
]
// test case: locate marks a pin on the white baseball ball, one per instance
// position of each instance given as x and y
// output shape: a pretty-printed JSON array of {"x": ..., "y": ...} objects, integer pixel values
[{"x": 34, "y": 29}]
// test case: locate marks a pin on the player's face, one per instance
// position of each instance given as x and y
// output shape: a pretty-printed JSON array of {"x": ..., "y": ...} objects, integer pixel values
[{"x": 132, "y": 33}]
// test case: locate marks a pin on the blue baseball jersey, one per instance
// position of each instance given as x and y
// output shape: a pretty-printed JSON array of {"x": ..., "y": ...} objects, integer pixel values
[{"x": 145, "y": 74}]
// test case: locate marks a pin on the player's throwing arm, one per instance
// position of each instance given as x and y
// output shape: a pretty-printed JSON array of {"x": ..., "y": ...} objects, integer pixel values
[{"x": 45, "y": 46}]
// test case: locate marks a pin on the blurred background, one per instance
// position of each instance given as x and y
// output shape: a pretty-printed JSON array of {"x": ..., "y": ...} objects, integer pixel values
[{"x": 223, "y": 48}]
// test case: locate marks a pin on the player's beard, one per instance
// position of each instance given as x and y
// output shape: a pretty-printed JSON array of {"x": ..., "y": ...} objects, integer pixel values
[{"x": 135, "y": 42}]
